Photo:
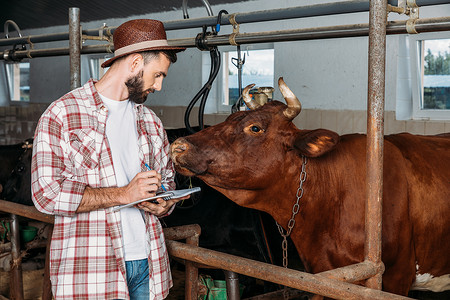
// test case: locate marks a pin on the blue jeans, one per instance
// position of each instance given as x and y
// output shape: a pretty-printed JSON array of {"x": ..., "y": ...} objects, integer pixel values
[{"x": 137, "y": 279}]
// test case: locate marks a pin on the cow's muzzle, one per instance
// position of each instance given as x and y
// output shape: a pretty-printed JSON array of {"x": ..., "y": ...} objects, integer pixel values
[
  {"x": 186, "y": 159},
  {"x": 179, "y": 146}
]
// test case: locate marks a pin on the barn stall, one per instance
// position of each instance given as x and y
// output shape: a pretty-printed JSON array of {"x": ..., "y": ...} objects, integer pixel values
[{"x": 330, "y": 285}]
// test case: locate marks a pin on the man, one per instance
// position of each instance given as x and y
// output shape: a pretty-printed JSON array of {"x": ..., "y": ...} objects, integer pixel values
[{"x": 98, "y": 147}]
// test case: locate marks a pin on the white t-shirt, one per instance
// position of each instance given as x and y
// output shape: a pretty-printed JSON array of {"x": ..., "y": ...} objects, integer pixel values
[{"x": 123, "y": 139}]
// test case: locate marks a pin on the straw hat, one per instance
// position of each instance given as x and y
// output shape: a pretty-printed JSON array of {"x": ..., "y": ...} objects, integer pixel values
[{"x": 137, "y": 36}]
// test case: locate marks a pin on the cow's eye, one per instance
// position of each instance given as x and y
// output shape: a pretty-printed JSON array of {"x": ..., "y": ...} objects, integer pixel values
[{"x": 254, "y": 129}]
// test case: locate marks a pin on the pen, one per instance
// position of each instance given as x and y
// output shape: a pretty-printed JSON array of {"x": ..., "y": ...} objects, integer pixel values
[{"x": 162, "y": 185}]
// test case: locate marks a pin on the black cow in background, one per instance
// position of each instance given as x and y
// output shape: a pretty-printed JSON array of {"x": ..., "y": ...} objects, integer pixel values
[{"x": 15, "y": 172}]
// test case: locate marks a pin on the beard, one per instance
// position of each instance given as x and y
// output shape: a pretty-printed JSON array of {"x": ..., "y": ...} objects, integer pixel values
[{"x": 135, "y": 87}]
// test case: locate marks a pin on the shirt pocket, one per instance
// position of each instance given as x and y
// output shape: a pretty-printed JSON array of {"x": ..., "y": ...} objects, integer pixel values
[{"x": 82, "y": 148}]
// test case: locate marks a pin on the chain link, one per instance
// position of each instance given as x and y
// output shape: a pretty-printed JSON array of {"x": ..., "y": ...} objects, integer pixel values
[
  {"x": 40, "y": 234},
  {"x": 295, "y": 210}
]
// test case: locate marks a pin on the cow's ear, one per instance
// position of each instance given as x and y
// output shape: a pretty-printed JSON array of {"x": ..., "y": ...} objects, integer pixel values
[{"x": 315, "y": 143}]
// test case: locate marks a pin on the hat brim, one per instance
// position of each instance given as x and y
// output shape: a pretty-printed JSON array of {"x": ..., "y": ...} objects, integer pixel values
[{"x": 109, "y": 62}]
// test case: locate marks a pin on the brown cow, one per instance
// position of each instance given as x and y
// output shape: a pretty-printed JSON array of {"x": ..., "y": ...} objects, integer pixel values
[{"x": 255, "y": 159}]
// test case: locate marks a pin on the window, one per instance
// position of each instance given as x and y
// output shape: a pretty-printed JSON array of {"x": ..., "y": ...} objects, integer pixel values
[
  {"x": 18, "y": 75},
  {"x": 258, "y": 68},
  {"x": 431, "y": 77},
  {"x": 95, "y": 66},
  {"x": 436, "y": 78}
]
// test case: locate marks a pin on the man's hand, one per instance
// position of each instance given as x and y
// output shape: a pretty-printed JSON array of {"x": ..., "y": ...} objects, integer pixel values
[
  {"x": 143, "y": 185},
  {"x": 161, "y": 208}
]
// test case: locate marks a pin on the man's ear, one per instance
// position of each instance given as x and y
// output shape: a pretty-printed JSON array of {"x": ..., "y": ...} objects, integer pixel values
[
  {"x": 314, "y": 143},
  {"x": 136, "y": 61}
]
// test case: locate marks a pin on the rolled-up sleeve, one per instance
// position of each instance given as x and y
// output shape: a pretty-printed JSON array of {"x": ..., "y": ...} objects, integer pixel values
[{"x": 54, "y": 189}]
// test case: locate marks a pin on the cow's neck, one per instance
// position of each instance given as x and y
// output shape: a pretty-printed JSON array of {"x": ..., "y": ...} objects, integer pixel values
[
  {"x": 313, "y": 205},
  {"x": 297, "y": 185}
]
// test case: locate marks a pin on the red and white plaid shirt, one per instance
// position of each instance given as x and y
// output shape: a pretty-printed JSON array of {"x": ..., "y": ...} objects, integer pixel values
[{"x": 70, "y": 152}]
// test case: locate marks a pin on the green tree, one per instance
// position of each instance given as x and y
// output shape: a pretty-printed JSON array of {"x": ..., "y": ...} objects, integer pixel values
[{"x": 437, "y": 64}]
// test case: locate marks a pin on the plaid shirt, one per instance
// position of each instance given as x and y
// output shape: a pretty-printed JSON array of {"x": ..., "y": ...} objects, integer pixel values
[{"x": 71, "y": 152}]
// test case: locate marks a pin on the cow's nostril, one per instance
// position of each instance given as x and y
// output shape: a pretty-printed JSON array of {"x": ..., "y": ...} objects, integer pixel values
[{"x": 180, "y": 148}]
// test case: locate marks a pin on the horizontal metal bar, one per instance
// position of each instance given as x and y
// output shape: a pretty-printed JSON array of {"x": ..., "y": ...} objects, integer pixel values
[
  {"x": 314, "y": 10},
  {"x": 428, "y": 2},
  {"x": 182, "y": 232},
  {"x": 241, "y": 18},
  {"x": 340, "y": 31},
  {"x": 354, "y": 273},
  {"x": 288, "y": 277},
  {"x": 25, "y": 211},
  {"x": 274, "y": 14},
  {"x": 52, "y": 37},
  {"x": 34, "y": 244},
  {"x": 256, "y": 16},
  {"x": 8, "y": 55}
]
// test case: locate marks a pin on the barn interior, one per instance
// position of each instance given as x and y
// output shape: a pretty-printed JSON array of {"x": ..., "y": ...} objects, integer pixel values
[{"x": 321, "y": 50}]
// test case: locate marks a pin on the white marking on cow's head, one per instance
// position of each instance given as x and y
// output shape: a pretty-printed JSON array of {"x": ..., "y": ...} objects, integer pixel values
[{"x": 293, "y": 108}]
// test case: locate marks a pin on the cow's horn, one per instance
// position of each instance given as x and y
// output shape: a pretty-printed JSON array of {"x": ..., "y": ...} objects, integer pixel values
[
  {"x": 252, "y": 104},
  {"x": 294, "y": 105}
]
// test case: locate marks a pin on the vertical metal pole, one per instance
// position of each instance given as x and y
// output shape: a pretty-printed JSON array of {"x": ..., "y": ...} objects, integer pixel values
[
  {"x": 232, "y": 281},
  {"x": 191, "y": 284},
  {"x": 47, "y": 285},
  {"x": 74, "y": 47},
  {"x": 239, "y": 69},
  {"x": 375, "y": 135},
  {"x": 16, "y": 281}
]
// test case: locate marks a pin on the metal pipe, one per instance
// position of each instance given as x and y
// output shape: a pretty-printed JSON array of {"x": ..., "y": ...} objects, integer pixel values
[
  {"x": 46, "y": 284},
  {"x": 17, "y": 55},
  {"x": 184, "y": 8},
  {"x": 16, "y": 281},
  {"x": 75, "y": 47},
  {"x": 314, "y": 10},
  {"x": 341, "y": 31},
  {"x": 257, "y": 16},
  {"x": 25, "y": 211},
  {"x": 51, "y": 37},
  {"x": 292, "y": 278},
  {"x": 182, "y": 232},
  {"x": 192, "y": 235},
  {"x": 191, "y": 284},
  {"x": 353, "y": 273},
  {"x": 205, "y": 2},
  {"x": 232, "y": 282},
  {"x": 428, "y": 2},
  {"x": 6, "y": 28},
  {"x": 274, "y": 14},
  {"x": 375, "y": 137}
]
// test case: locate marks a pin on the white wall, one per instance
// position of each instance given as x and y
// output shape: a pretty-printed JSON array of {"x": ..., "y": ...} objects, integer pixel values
[{"x": 325, "y": 74}]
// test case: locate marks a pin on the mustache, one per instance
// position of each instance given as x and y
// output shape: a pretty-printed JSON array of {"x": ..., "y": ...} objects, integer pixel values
[{"x": 135, "y": 87}]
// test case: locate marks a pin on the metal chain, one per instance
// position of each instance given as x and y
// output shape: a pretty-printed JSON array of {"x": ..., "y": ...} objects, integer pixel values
[
  {"x": 295, "y": 210},
  {"x": 40, "y": 234}
]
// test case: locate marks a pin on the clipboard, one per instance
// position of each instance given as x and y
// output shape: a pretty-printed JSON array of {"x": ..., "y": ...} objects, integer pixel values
[{"x": 165, "y": 195}]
